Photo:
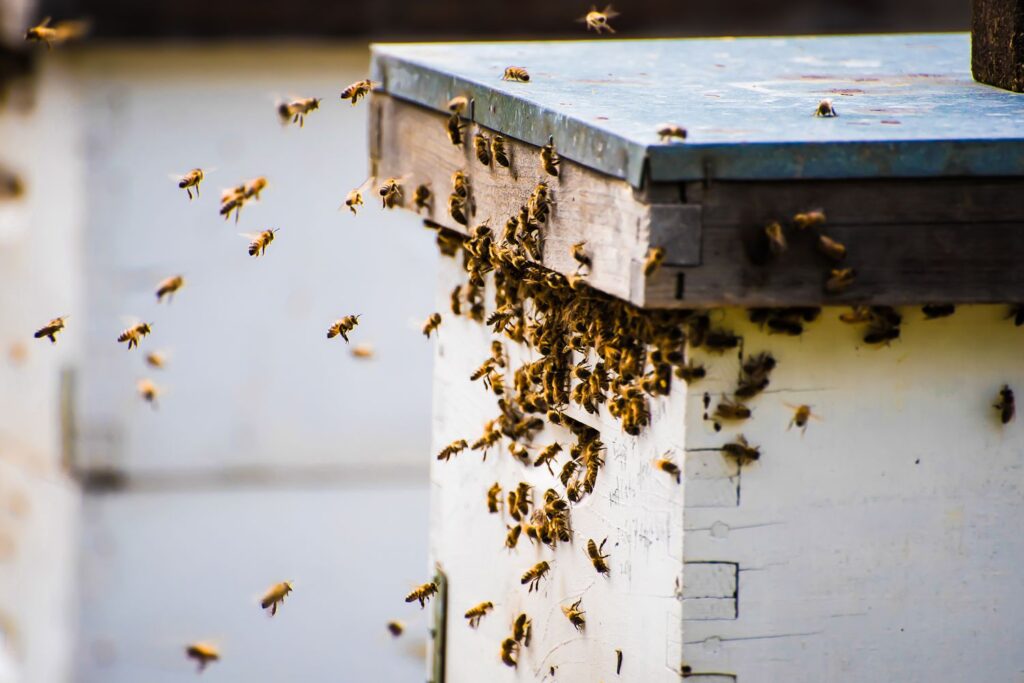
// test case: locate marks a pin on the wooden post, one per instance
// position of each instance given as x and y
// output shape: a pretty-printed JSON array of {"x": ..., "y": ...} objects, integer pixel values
[{"x": 997, "y": 45}]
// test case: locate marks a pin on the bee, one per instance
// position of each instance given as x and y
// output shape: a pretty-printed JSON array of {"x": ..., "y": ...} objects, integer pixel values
[
  {"x": 191, "y": 180},
  {"x": 354, "y": 199},
  {"x": 498, "y": 151},
  {"x": 618, "y": 662},
  {"x": 596, "y": 556},
  {"x": 825, "y": 109},
  {"x": 296, "y": 110},
  {"x": 155, "y": 359},
  {"x": 547, "y": 456},
  {"x": 454, "y": 127},
  {"x": 534, "y": 574},
  {"x": 839, "y": 280},
  {"x": 168, "y": 287},
  {"x": 133, "y": 334},
  {"x": 509, "y": 648},
  {"x": 670, "y": 132},
  {"x": 783, "y": 325},
  {"x": 599, "y": 20},
  {"x": 691, "y": 372},
  {"x": 881, "y": 331},
  {"x": 516, "y": 73},
  {"x": 719, "y": 340},
  {"x": 741, "y": 450},
  {"x": 655, "y": 257},
  {"x": 512, "y": 537},
  {"x": 275, "y": 595},
  {"x": 259, "y": 241},
  {"x": 809, "y": 219},
  {"x": 252, "y": 188},
  {"x": 203, "y": 653},
  {"x": 494, "y": 498},
  {"x": 431, "y": 324},
  {"x": 422, "y": 593},
  {"x": 669, "y": 467},
  {"x": 390, "y": 193},
  {"x": 857, "y": 315},
  {"x": 1006, "y": 405},
  {"x": 831, "y": 248},
  {"x": 801, "y": 415},
  {"x": 478, "y": 612},
  {"x": 460, "y": 184},
  {"x": 482, "y": 146},
  {"x": 342, "y": 326},
  {"x": 933, "y": 311},
  {"x": 575, "y": 615},
  {"x": 776, "y": 238},
  {"x": 1016, "y": 311},
  {"x": 581, "y": 256},
  {"x": 731, "y": 410},
  {"x": 148, "y": 391},
  {"x": 362, "y": 351},
  {"x": 454, "y": 448},
  {"x": 422, "y": 198},
  {"x": 51, "y": 329},
  {"x": 457, "y": 209},
  {"x": 358, "y": 90},
  {"x": 57, "y": 33},
  {"x": 522, "y": 629},
  {"x": 234, "y": 199},
  {"x": 549, "y": 159},
  {"x": 396, "y": 627},
  {"x": 458, "y": 104}
]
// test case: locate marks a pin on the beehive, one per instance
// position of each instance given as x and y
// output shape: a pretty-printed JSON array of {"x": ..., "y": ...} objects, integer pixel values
[{"x": 877, "y": 543}]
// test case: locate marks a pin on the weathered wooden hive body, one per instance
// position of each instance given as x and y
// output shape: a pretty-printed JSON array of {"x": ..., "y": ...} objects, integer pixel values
[{"x": 881, "y": 542}]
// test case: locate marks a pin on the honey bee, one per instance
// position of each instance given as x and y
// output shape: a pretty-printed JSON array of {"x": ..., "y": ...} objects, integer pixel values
[
  {"x": 458, "y": 104},
  {"x": 522, "y": 629},
  {"x": 881, "y": 331},
  {"x": 342, "y": 326},
  {"x": 454, "y": 448},
  {"x": 457, "y": 209},
  {"x": 422, "y": 198},
  {"x": 203, "y": 653},
  {"x": 478, "y": 612},
  {"x": 296, "y": 110},
  {"x": 431, "y": 324},
  {"x": 666, "y": 465},
  {"x": 594, "y": 551},
  {"x": 776, "y": 237},
  {"x": 390, "y": 193},
  {"x": 549, "y": 159},
  {"x": 358, "y": 90},
  {"x": 460, "y": 184},
  {"x": 933, "y": 311},
  {"x": 155, "y": 359},
  {"x": 51, "y": 329},
  {"x": 825, "y": 109},
  {"x": 801, "y": 415},
  {"x": 148, "y": 391},
  {"x": 509, "y": 648},
  {"x": 498, "y": 151},
  {"x": 354, "y": 199},
  {"x": 839, "y": 280},
  {"x": 482, "y": 147},
  {"x": 422, "y": 593},
  {"x": 259, "y": 241},
  {"x": 512, "y": 537},
  {"x": 57, "y": 33},
  {"x": 547, "y": 456},
  {"x": 741, "y": 450},
  {"x": 191, "y": 180},
  {"x": 232, "y": 200},
  {"x": 516, "y": 73},
  {"x": 599, "y": 20},
  {"x": 731, "y": 410},
  {"x": 856, "y": 315},
  {"x": 362, "y": 351},
  {"x": 655, "y": 257},
  {"x": 691, "y": 372},
  {"x": 831, "y": 248},
  {"x": 275, "y": 596},
  {"x": 454, "y": 128},
  {"x": 168, "y": 287},
  {"x": 494, "y": 498},
  {"x": 575, "y": 615},
  {"x": 133, "y": 334},
  {"x": 670, "y": 132},
  {"x": 396, "y": 627},
  {"x": 809, "y": 219},
  {"x": 1006, "y": 405},
  {"x": 581, "y": 256},
  {"x": 534, "y": 574}
]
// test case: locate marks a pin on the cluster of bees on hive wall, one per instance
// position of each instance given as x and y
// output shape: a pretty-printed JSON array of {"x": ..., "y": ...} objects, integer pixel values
[{"x": 592, "y": 349}]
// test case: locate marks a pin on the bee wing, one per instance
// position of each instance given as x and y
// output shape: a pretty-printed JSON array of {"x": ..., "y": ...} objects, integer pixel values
[{"x": 251, "y": 236}]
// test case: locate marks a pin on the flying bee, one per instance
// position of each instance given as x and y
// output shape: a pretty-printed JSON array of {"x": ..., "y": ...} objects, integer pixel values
[
  {"x": 354, "y": 199},
  {"x": 741, "y": 450},
  {"x": 390, "y": 193},
  {"x": 482, "y": 147},
  {"x": 494, "y": 498},
  {"x": 670, "y": 132},
  {"x": 801, "y": 416},
  {"x": 478, "y": 612},
  {"x": 252, "y": 188},
  {"x": 825, "y": 109},
  {"x": 275, "y": 596},
  {"x": 297, "y": 110},
  {"x": 422, "y": 198},
  {"x": 655, "y": 257},
  {"x": 431, "y": 324},
  {"x": 579, "y": 253},
  {"x": 809, "y": 219},
  {"x": 51, "y": 329},
  {"x": 133, "y": 334},
  {"x": 358, "y": 90},
  {"x": 498, "y": 151},
  {"x": 516, "y": 73},
  {"x": 691, "y": 372},
  {"x": 454, "y": 448},
  {"x": 458, "y": 104},
  {"x": 454, "y": 127},
  {"x": 362, "y": 351},
  {"x": 509, "y": 649},
  {"x": 594, "y": 551},
  {"x": 669, "y": 467},
  {"x": 422, "y": 593},
  {"x": 203, "y": 653},
  {"x": 155, "y": 359},
  {"x": 259, "y": 241},
  {"x": 547, "y": 456},
  {"x": 342, "y": 326},
  {"x": 58, "y": 33},
  {"x": 191, "y": 180},
  {"x": 168, "y": 287},
  {"x": 776, "y": 238},
  {"x": 575, "y": 615},
  {"x": 831, "y": 248},
  {"x": 148, "y": 391},
  {"x": 1006, "y": 405},
  {"x": 839, "y": 280},
  {"x": 549, "y": 159},
  {"x": 599, "y": 20},
  {"x": 534, "y": 574},
  {"x": 396, "y": 627},
  {"x": 512, "y": 537},
  {"x": 731, "y": 410},
  {"x": 522, "y": 629},
  {"x": 933, "y": 311}
]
